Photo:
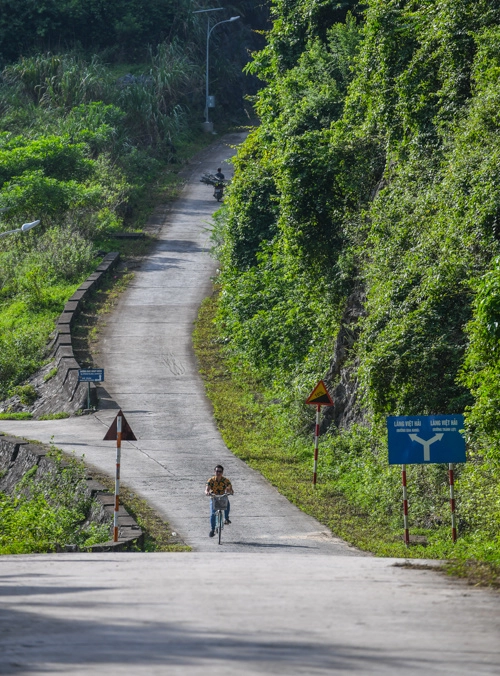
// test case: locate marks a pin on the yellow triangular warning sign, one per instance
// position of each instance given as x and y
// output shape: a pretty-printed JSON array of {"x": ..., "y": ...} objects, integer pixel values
[
  {"x": 320, "y": 396},
  {"x": 127, "y": 434}
]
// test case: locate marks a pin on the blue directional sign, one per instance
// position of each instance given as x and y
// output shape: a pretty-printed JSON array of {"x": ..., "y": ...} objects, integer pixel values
[
  {"x": 419, "y": 440},
  {"x": 91, "y": 375}
]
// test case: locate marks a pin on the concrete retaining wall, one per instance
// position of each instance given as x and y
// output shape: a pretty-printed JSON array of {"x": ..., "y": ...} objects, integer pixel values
[
  {"x": 63, "y": 392},
  {"x": 18, "y": 457}
]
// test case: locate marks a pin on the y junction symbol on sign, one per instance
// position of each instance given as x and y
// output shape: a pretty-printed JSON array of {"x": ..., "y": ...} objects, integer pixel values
[{"x": 426, "y": 444}]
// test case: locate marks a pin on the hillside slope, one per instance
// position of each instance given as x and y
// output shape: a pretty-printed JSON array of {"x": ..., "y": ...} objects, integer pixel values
[{"x": 362, "y": 225}]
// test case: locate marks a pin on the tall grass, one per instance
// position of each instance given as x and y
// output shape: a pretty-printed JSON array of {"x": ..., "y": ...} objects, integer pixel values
[
  {"x": 60, "y": 81},
  {"x": 157, "y": 103}
]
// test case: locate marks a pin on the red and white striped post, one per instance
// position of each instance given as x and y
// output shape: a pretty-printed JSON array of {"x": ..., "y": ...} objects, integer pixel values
[
  {"x": 319, "y": 397},
  {"x": 452, "y": 502},
  {"x": 117, "y": 475},
  {"x": 316, "y": 442},
  {"x": 405, "y": 507}
]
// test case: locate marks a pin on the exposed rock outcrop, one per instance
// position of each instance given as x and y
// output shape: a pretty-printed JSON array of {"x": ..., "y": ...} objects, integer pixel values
[{"x": 341, "y": 376}]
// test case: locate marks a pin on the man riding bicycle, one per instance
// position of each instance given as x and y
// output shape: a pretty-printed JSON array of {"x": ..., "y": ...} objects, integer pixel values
[{"x": 218, "y": 485}]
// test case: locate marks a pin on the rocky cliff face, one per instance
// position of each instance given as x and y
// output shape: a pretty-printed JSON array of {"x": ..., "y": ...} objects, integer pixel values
[{"x": 341, "y": 376}]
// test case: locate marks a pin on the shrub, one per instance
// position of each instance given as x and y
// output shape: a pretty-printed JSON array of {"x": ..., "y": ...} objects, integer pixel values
[{"x": 26, "y": 393}]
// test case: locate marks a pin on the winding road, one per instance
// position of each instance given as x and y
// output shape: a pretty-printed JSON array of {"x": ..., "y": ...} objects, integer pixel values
[{"x": 282, "y": 595}]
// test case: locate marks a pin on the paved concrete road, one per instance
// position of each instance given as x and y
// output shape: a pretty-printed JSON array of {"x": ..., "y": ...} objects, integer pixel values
[
  {"x": 238, "y": 614},
  {"x": 151, "y": 373}
]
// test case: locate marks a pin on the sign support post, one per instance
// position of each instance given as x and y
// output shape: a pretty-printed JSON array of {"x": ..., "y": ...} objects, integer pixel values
[
  {"x": 90, "y": 376},
  {"x": 316, "y": 442},
  {"x": 119, "y": 431},
  {"x": 319, "y": 397},
  {"x": 405, "y": 507},
  {"x": 117, "y": 476},
  {"x": 452, "y": 502}
]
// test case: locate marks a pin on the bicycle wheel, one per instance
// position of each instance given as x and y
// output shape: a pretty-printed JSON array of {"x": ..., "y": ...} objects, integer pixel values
[{"x": 221, "y": 522}]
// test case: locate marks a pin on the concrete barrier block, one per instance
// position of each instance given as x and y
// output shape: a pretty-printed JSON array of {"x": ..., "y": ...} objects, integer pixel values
[
  {"x": 79, "y": 295},
  {"x": 71, "y": 306},
  {"x": 64, "y": 353},
  {"x": 63, "y": 340},
  {"x": 63, "y": 329},
  {"x": 65, "y": 318}
]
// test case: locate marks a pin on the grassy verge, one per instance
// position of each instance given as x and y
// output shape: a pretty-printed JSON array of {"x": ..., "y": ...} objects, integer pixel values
[
  {"x": 15, "y": 416},
  {"x": 255, "y": 429}
]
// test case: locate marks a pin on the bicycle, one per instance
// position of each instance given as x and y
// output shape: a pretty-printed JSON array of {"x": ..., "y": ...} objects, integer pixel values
[{"x": 219, "y": 507}]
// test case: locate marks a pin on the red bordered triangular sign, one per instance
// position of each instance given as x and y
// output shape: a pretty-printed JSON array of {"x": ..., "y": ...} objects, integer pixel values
[
  {"x": 320, "y": 396},
  {"x": 127, "y": 434}
]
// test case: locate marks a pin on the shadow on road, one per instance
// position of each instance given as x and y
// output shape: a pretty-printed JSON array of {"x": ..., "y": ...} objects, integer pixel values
[
  {"x": 271, "y": 545},
  {"x": 34, "y": 642}
]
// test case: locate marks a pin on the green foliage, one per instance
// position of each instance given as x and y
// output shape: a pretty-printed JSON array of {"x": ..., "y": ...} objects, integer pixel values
[
  {"x": 50, "y": 374},
  {"x": 54, "y": 416},
  {"x": 52, "y": 156},
  {"x": 119, "y": 25},
  {"x": 282, "y": 237},
  {"x": 26, "y": 393},
  {"x": 49, "y": 512},
  {"x": 77, "y": 152},
  {"x": 377, "y": 169},
  {"x": 154, "y": 103},
  {"x": 16, "y": 416},
  {"x": 22, "y": 346}
]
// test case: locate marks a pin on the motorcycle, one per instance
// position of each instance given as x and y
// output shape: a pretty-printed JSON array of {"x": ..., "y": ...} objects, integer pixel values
[
  {"x": 218, "y": 191},
  {"x": 217, "y": 183}
]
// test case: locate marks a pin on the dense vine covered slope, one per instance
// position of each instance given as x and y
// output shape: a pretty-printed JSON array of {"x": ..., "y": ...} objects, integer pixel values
[{"x": 361, "y": 238}]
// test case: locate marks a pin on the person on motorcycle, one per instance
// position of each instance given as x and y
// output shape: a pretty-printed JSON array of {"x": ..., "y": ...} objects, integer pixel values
[{"x": 219, "y": 185}]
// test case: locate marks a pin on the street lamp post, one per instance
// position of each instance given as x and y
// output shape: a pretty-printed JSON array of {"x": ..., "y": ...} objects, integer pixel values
[
  {"x": 207, "y": 125},
  {"x": 24, "y": 228}
]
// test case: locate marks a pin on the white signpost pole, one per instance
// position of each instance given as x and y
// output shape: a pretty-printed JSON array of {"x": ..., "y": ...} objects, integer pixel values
[{"x": 117, "y": 476}]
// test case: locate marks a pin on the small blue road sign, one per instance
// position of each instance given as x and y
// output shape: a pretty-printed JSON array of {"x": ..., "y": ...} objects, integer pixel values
[
  {"x": 91, "y": 375},
  {"x": 418, "y": 440}
]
